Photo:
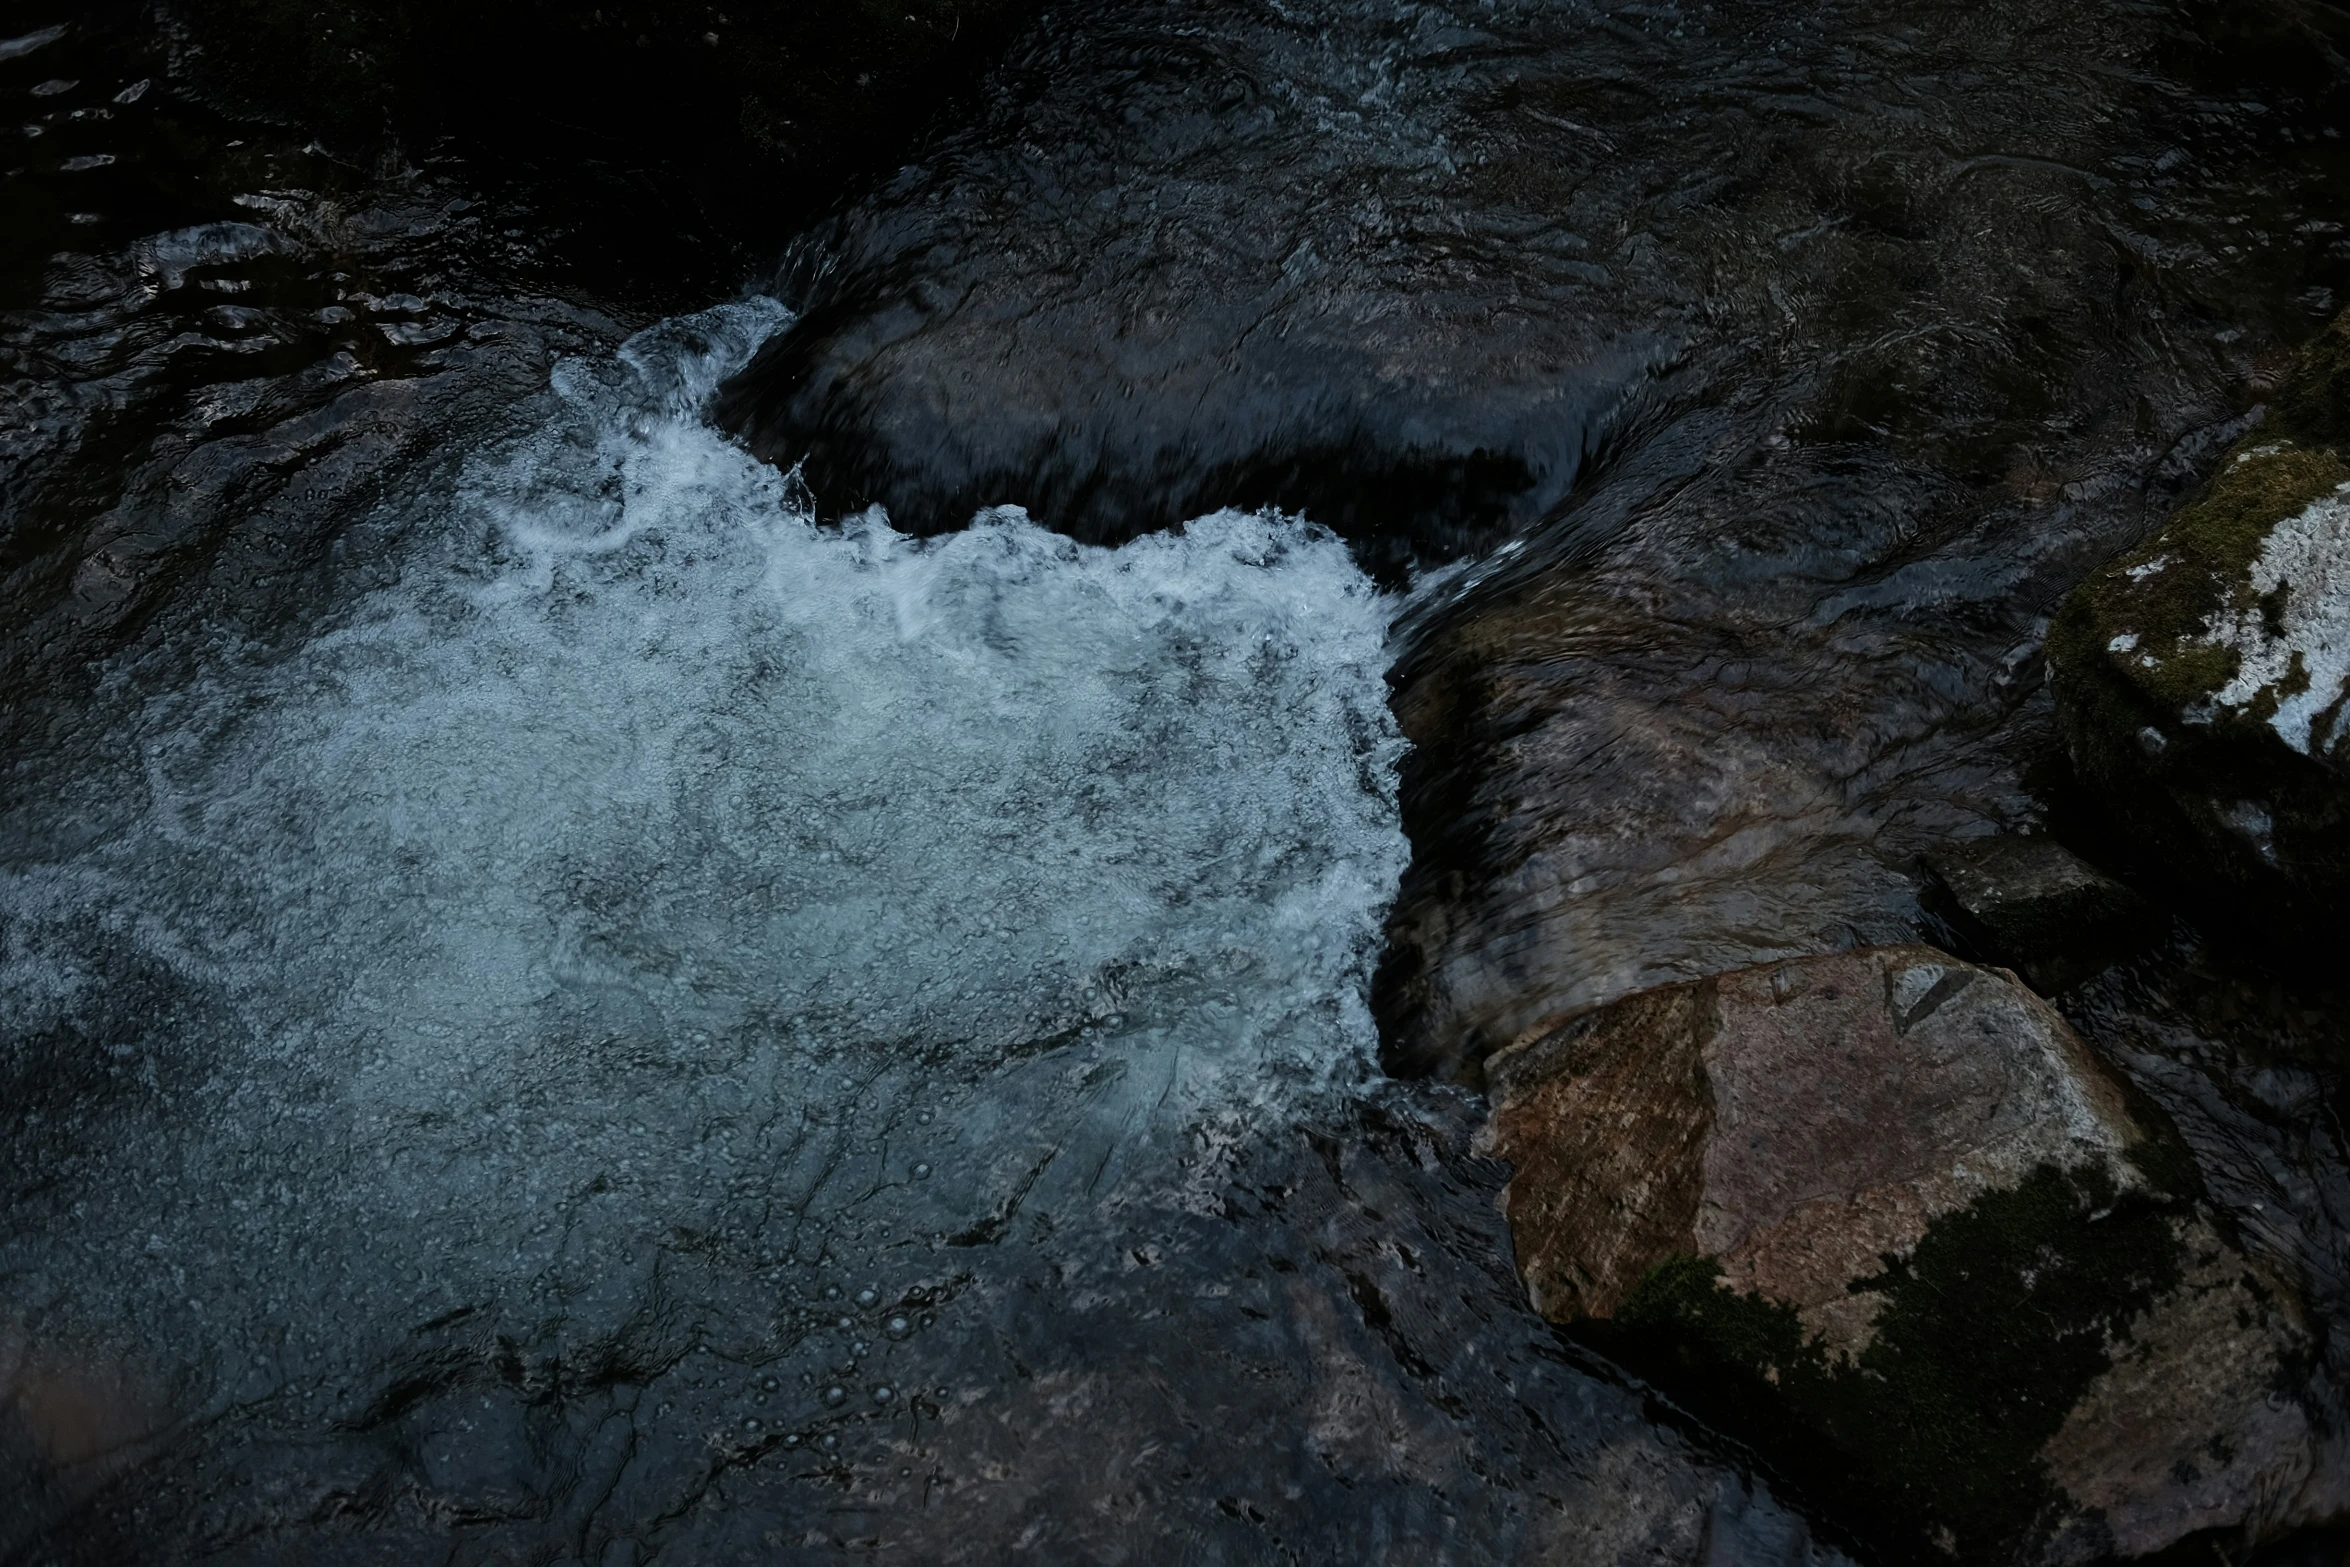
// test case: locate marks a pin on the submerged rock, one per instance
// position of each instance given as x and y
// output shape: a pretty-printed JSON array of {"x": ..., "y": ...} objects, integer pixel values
[
  {"x": 1779, "y": 648},
  {"x": 2037, "y": 907},
  {"x": 1883, "y": 1213},
  {"x": 1325, "y": 257},
  {"x": 2202, "y": 680}
]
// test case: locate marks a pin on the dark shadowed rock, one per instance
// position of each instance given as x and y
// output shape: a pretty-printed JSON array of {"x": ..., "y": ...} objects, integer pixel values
[
  {"x": 1783, "y": 644},
  {"x": 2230, "y": 1057},
  {"x": 1331, "y": 257},
  {"x": 2039, "y": 908},
  {"x": 670, "y": 148},
  {"x": 1416, "y": 272},
  {"x": 1883, "y": 1213},
  {"x": 1805, "y": 404},
  {"x": 2202, "y": 678}
]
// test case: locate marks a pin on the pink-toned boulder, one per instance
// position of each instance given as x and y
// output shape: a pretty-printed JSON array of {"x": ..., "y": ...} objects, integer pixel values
[{"x": 1884, "y": 1215}]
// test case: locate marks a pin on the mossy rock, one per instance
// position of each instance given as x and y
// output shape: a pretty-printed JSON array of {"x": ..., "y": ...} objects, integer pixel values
[
  {"x": 2064, "y": 1371},
  {"x": 1883, "y": 1217},
  {"x": 1927, "y": 1442},
  {"x": 2202, "y": 681}
]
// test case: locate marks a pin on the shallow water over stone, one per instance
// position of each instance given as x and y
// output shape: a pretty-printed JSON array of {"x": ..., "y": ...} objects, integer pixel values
[{"x": 559, "y": 1008}]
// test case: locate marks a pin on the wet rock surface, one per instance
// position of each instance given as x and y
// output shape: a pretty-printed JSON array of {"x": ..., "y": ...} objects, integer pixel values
[
  {"x": 1243, "y": 276},
  {"x": 472, "y": 860},
  {"x": 1887, "y": 1216},
  {"x": 2033, "y": 905},
  {"x": 1344, "y": 1370},
  {"x": 220, "y": 345},
  {"x": 2202, "y": 678},
  {"x": 708, "y": 1232},
  {"x": 1787, "y": 640},
  {"x": 1440, "y": 260}
]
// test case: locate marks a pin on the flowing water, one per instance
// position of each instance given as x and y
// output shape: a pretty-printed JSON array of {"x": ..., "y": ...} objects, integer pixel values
[
  {"x": 662, "y": 981},
  {"x": 562, "y": 1000}
]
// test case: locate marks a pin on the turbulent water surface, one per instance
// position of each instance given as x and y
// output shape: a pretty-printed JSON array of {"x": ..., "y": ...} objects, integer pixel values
[
  {"x": 569, "y": 994},
  {"x": 647, "y": 1024}
]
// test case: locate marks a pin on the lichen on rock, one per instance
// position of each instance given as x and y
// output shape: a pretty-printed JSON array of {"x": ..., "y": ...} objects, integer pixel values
[
  {"x": 2241, "y": 608},
  {"x": 1883, "y": 1215},
  {"x": 2292, "y": 641},
  {"x": 2203, "y": 681}
]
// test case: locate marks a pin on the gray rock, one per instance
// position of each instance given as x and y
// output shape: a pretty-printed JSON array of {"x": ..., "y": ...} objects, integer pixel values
[
  {"x": 2189, "y": 1429},
  {"x": 2036, "y": 907}
]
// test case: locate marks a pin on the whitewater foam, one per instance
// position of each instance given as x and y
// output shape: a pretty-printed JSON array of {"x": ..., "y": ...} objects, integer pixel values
[{"x": 647, "y": 838}]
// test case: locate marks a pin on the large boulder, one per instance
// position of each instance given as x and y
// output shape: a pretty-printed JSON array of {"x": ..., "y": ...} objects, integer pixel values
[
  {"x": 1884, "y": 1216},
  {"x": 1424, "y": 273},
  {"x": 1240, "y": 277},
  {"x": 2203, "y": 680}
]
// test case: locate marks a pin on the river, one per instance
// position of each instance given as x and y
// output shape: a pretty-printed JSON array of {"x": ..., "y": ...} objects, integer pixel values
[{"x": 575, "y": 995}]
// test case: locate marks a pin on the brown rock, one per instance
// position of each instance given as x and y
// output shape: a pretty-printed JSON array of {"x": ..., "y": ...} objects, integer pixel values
[
  {"x": 1795, "y": 1122},
  {"x": 1884, "y": 1216}
]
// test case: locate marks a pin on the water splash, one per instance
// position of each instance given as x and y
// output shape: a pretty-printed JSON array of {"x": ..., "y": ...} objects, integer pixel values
[{"x": 647, "y": 860}]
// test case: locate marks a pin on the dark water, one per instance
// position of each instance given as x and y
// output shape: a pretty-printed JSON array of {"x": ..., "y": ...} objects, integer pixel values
[{"x": 527, "y": 962}]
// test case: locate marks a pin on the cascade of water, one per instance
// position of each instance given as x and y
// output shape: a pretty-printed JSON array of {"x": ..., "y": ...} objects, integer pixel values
[{"x": 734, "y": 847}]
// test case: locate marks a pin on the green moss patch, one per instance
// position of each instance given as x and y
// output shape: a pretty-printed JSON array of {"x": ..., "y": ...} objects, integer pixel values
[
  {"x": 2210, "y": 797},
  {"x": 1928, "y": 1445},
  {"x": 2162, "y": 598}
]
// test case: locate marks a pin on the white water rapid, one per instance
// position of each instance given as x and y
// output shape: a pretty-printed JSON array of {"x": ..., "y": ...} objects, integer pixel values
[{"x": 651, "y": 873}]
